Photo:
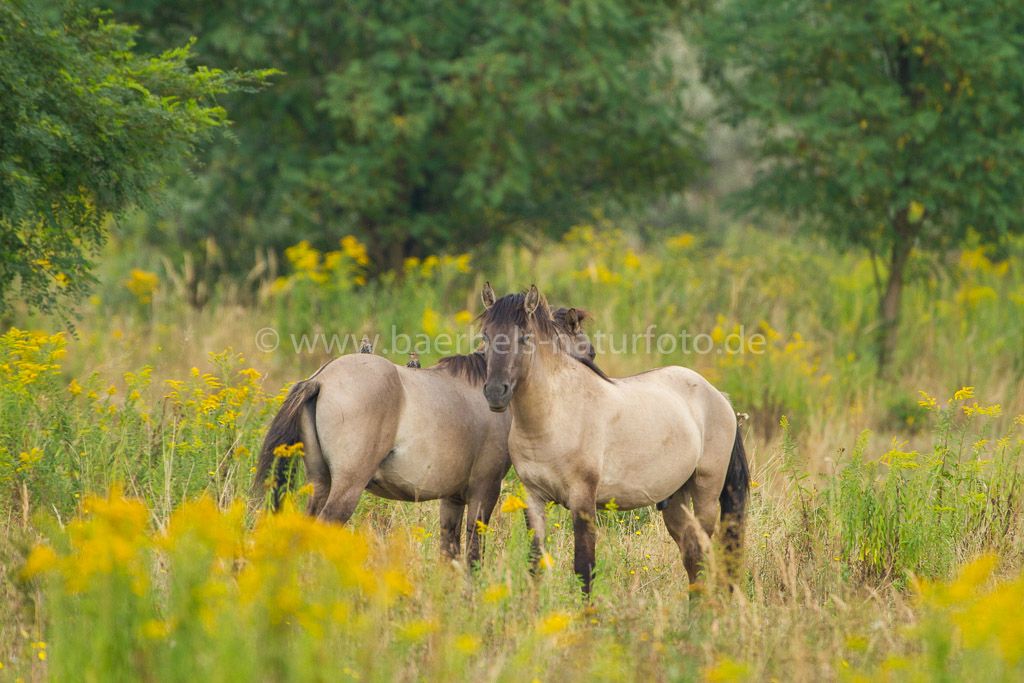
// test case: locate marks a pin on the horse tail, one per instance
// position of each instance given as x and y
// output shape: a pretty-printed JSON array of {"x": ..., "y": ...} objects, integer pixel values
[
  {"x": 733, "y": 500},
  {"x": 295, "y": 422}
]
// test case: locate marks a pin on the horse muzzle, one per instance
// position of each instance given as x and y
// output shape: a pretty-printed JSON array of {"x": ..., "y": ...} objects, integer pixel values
[{"x": 498, "y": 395}]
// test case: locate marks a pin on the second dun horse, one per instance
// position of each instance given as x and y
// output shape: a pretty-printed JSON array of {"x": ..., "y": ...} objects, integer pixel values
[
  {"x": 582, "y": 439},
  {"x": 400, "y": 432}
]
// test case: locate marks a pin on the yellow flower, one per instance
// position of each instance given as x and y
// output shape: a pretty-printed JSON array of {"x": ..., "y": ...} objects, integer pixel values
[
  {"x": 355, "y": 250},
  {"x": 963, "y": 394},
  {"x": 74, "y": 388},
  {"x": 915, "y": 211},
  {"x": 495, "y": 593},
  {"x": 467, "y": 643},
  {"x": 513, "y": 504},
  {"x": 294, "y": 450},
  {"x": 726, "y": 670},
  {"x": 28, "y": 459},
  {"x": 154, "y": 629},
  {"x": 142, "y": 284},
  {"x": 463, "y": 317},
  {"x": 682, "y": 241},
  {"x": 994, "y": 410},
  {"x": 431, "y": 321},
  {"x": 303, "y": 257},
  {"x": 429, "y": 264},
  {"x": 554, "y": 623},
  {"x": 927, "y": 401},
  {"x": 40, "y": 560},
  {"x": 546, "y": 561}
]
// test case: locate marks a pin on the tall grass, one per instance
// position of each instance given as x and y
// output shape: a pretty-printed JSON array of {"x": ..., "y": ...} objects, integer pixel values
[{"x": 128, "y": 551}]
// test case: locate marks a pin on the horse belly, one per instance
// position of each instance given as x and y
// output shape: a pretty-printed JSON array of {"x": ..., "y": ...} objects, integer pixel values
[
  {"x": 643, "y": 470},
  {"x": 410, "y": 473},
  {"x": 634, "y": 493}
]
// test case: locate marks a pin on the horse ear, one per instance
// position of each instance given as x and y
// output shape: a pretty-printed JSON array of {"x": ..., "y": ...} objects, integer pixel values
[
  {"x": 488, "y": 295},
  {"x": 573, "y": 320},
  {"x": 532, "y": 300}
]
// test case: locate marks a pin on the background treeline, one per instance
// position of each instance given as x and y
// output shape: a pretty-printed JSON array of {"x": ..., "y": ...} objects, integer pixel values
[{"x": 427, "y": 127}]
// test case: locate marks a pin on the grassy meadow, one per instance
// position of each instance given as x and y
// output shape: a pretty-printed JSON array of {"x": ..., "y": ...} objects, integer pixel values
[{"x": 886, "y": 530}]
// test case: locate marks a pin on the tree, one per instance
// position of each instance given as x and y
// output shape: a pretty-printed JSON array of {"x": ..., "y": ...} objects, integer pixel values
[
  {"x": 422, "y": 125},
  {"x": 890, "y": 125},
  {"x": 88, "y": 127}
]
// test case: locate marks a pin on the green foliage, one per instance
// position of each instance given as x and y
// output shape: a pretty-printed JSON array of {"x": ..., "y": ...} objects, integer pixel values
[
  {"x": 88, "y": 127},
  {"x": 887, "y": 124},
  {"x": 908, "y": 513},
  {"x": 867, "y": 108},
  {"x": 428, "y": 125}
]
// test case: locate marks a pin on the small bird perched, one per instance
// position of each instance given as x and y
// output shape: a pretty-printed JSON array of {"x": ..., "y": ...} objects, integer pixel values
[
  {"x": 414, "y": 360},
  {"x": 365, "y": 346}
]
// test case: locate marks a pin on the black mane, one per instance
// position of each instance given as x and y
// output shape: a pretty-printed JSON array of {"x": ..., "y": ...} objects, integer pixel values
[
  {"x": 471, "y": 366},
  {"x": 510, "y": 309}
]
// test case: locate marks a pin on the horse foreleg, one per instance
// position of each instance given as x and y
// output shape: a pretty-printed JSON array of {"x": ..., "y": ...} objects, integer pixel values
[
  {"x": 584, "y": 527},
  {"x": 536, "y": 522},
  {"x": 481, "y": 506},
  {"x": 451, "y": 527}
]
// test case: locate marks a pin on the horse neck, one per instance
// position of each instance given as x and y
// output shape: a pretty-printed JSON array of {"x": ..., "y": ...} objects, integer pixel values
[{"x": 539, "y": 392}]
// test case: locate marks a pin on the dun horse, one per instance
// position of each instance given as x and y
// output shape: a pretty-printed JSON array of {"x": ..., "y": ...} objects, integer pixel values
[
  {"x": 401, "y": 433},
  {"x": 582, "y": 439}
]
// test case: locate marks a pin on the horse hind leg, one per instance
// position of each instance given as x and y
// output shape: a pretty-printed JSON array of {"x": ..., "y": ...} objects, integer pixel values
[
  {"x": 688, "y": 533},
  {"x": 317, "y": 472},
  {"x": 348, "y": 481},
  {"x": 353, "y": 450}
]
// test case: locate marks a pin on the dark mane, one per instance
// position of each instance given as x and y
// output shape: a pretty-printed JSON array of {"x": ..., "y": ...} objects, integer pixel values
[
  {"x": 593, "y": 366},
  {"x": 472, "y": 367},
  {"x": 510, "y": 309}
]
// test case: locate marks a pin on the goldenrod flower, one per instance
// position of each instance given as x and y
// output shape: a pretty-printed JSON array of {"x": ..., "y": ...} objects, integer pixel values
[
  {"x": 431, "y": 321},
  {"x": 915, "y": 211},
  {"x": 294, "y": 450},
  {"x": 512, "y": 504},
  {"x": 963, "y": 394},
  {"x": 554, "y": 623},
  {"x": 467, "y": 643},
  {"x": 546, "y": 561},
  {"x": 682, "y": 241},
  {"x": 495, "y": 593},
  {"x": 40, "y": 560},
  {"x": 142, "y": 284}
]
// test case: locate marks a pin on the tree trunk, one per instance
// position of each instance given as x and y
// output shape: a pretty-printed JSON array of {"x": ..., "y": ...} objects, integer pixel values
[{"x": 891, "y": 301}]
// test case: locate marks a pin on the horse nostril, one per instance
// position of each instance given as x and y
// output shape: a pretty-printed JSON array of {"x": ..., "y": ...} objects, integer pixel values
[{"x": 504, "y": 389}]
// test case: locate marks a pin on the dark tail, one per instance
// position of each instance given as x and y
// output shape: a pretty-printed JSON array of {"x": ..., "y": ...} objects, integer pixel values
[
  {"x": 278, "y": 473},
  {"x": 733, "y": 500}
]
